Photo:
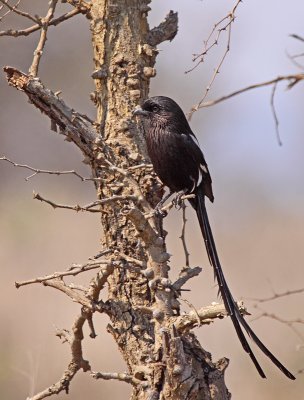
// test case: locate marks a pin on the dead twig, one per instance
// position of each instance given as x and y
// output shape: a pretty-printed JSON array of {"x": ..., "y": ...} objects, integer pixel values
[
  {"x": 183, "y": 236},
  {"x": 37, "y": 171},
  {"x": 293, "y": 80},
  {"x": 89, "y": 207},
  {"x": 16, "y": 10},
  {"x": 72, "y": 271},
  {"x": 37, "y": 27},
  {"x": 206, "y": 316},
  {"x": 74, "y": 338},
  {"x": 221, "y": 26},
  {"x": 33, "y": 71},
  {"x": 119, "y": 376},
  {"x": 276, "y": 296},
  {"x": 274, "y": 113}
]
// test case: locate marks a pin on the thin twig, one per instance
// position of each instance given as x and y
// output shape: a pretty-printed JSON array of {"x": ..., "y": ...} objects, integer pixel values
[
  {"x": 9, "y": 10},
  {"x": 33, "y": 71},
  {"x": 89, "y": 207},
  {"x": 274, "y": 113},
  {"x": 36, "y": 27},
  {"x": 293, "y": 79},
  {"x": 227, "y": 26},
  {"x": 16, "y": 10},
  {"x": 72, "y": 271},
  {"x": 119, "y": 376},
  {"x": 289, "y": 323},
  {"x": 37, "y": 171},
  {"x": 276, "y": 295},
  {"x": 74, "y": 338},
  {"x": 183, "y": 236}
]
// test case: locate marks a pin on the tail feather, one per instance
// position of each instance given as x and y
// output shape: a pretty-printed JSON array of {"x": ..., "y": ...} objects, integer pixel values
[{"x": 238, "y": 320}]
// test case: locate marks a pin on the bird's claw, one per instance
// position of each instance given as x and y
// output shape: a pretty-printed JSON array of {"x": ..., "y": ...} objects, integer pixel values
[
  {"x": 178, "y": 201},
  {"x": 158, "y": 212}
]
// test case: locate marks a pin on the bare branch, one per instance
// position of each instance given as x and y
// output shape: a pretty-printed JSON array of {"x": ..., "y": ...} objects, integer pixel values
[
  {"x": 8, "y": 11},
  {"x": 73, "y": 125},
  {"x": 295, "y": 36},
  {"x": 185, "y": 275},
  {"x": 200, "y": 57},
  {"x": 170, "y": 205},
  {"x": 289, "y": 323},
  {"x": 36, "y": 27},
  {"x": 37, "y": 171},
  {"x": 293, "y": 79},
  {"x": 88, "y": 207},
  {"x": 277, "y": 295},
  {"x": 183, "y": 236},
  {"x": 119, "y": 376},
  {"x": 166, "y": 30},
  {"x": 275, "y": 117},
  {"x": 16, "y": 10},
  {"x": 74, "y": 338},
  {"x": 72, "y": 271},
  {"x": 206, "y": 315},
  {"x": 33, "y": 71}
]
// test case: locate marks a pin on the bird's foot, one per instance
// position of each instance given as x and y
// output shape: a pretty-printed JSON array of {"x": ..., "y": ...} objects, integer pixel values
[
  {"x": 158, "y": 212},
  {"x": 178, "y": 201}
]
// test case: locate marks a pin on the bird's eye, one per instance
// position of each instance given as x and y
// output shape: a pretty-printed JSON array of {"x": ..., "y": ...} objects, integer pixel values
[{"x": 155, "y": 108}]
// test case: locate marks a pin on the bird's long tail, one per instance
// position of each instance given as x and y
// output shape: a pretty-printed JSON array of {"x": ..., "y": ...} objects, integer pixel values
[{"x": 230, "y": 305}]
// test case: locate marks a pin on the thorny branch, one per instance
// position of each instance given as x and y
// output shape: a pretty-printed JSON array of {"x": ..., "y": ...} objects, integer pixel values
[
  {"x": 225, "y": 24},
  {"x": 119, "y": 376},
  {"x": 206, "y": 316},
  {"x": 37, "y": 171},
  {"x": 89, "y": 207},
  {"x": 72, "y": 271}
]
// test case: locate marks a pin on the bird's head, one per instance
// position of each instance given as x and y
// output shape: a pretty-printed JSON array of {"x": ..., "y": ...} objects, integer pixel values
[{"x": 162, "y": 110}]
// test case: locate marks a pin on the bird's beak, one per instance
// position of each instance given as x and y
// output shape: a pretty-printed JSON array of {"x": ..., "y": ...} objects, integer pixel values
[{"x": 139, "y": 111}]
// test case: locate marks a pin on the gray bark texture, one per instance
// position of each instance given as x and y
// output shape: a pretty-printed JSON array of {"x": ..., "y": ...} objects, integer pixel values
[{"x": 163, "y": 357}]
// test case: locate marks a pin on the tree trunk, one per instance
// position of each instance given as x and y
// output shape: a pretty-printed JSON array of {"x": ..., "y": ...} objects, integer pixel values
[{"x": 164, "y": 363}]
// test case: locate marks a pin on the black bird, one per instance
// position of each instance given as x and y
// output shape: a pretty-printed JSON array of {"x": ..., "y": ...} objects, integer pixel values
[{"x": 180, "y": 164}]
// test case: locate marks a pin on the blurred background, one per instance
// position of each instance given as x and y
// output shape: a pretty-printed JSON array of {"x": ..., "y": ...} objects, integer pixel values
[{"x": 257, "y": 217}]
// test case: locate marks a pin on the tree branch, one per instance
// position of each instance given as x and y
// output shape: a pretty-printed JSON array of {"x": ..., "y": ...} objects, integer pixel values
[
  {"x": 16, "y": 10},
  {"x": 37, "y": 27},
  {"x": 293, "y": 79},
  {"x": 74, "y": 338},
  {"x": 166, "y": 30},
  {"x": 205, "y": 314},
  {"x": 73, "y": 125},
  {"x": 72, "y": 271},
  {"x": 33, "y": 71},
  {"x": 37, "y": 171},
  {"x": 88, "y": 207}
]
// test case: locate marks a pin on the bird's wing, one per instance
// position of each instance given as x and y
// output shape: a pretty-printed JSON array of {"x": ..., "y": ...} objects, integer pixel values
[{"x": 203, "y": 175}]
